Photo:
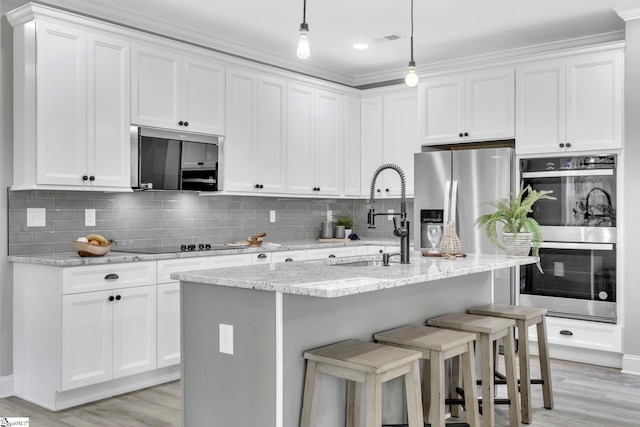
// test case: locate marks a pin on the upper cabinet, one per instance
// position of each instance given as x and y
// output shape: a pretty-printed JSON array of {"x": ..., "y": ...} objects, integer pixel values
[
  {"x": 352, "y": 149},
  {"x": 71, "y": 109},
  {"x": 572, "y": 104},
  {"x": 254, "y": 147},
  {"x": 474, "y": 106},
  {"x": 179, "y": 92},
  {"x": 315, "y": 141},
  {"x": 389, "y": 135}
]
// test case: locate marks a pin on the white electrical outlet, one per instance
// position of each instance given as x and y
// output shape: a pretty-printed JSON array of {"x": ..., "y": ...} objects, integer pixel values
[
  {"x": 390, "y": 217},
  {"x": 329, "y": 215},
  {"x": 226, "y": 338},
  {"x": 36, "y": 217},
  {"x": 90, "y": 217},
  {"x": 272, "y": 216}
]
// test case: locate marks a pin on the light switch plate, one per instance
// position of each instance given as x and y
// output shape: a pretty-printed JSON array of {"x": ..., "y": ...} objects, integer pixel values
[
  {"x": 272, "y": 216},
  {"x": 36, "y": 217},
  {"x": 226, "y": 338},
  {"x": 90, "y": 217},
  {"x": 329, "y": 215}
]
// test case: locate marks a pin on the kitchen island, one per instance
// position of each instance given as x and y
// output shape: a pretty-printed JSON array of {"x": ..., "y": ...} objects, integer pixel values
[{"x": 278, "y": 311}]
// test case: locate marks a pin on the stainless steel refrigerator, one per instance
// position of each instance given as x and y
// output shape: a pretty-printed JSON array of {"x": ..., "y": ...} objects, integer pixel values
[{"x": 456, "y": 185}]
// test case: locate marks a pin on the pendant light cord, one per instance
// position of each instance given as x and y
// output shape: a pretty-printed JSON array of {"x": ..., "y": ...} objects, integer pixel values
[
  {"x": 304, "y": 11},
  {"x": 411, "y": 30}
]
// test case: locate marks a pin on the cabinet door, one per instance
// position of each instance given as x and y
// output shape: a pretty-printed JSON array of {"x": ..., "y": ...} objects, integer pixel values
[
  {"x": 108, "y": 112},
  {"x": 270, "y": 157},
  {"x": 86, "y": 339},
  {"x": 300, "y": 133},
  {"x": 134, "y": 330},
  {"x": 490, "y": 105},
  {"x": 352, "y": 147},
  {"x": 371, "y": 143},
  {"x": 594, "y": 101},
  {"x": 540, "y": 100},
  {"x": 328, "y": 143},
  {"x": 401, "y": 141},
  {"x": 61, "y": 92},
  {"x": 168, "y": 318},
  {"x": 202, "y": 96},
  {"x": 155, "y": 87},
  {"x": 240, "y": 144},
  {"x": 441, "y": 110}
]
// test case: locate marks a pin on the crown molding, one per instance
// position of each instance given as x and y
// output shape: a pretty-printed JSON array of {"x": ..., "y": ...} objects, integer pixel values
[{"x": 628, "y": 13}]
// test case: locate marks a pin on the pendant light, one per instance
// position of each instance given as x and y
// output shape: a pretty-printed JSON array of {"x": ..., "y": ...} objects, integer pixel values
[
  {"x": 303, "y": 42},
  {"x": 412, "y": 78}
]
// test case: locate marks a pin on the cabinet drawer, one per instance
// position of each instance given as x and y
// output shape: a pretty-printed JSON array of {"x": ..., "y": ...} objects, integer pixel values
[
  {"x": 110, "y": 276},
  {"x": 260, "y": 258},
  {"x": 583, "y": 334},
  {"x": 289, "y": 256},
  {"x": 331, "y": 252},
  {"x": 166, "y": 267},
  {"x": 229, "y": 261}
]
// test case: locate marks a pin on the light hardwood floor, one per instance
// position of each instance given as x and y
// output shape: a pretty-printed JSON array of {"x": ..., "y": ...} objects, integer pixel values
[{"x": 585, "y": 396}]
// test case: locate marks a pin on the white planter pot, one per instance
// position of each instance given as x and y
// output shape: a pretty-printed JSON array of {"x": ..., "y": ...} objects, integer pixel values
[{"x": 518, "y": 246}]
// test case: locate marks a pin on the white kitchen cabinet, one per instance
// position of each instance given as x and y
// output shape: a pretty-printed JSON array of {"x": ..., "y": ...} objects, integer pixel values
[
  {"x": 168, "y": 324},
  {"x": 352, "y": 151},
  {"x": 174, "y": 91},
  {"x": 335, "y": 252},
  {"x": 474, "y": 106},
  {"x": 288, "y": 256},
  {"x": 389, "y": 135},
  {"x": 315, "y": 141},
  {"x": 71, "y": 115},
  {"x": 255, "y": 142},
  {"x": 572, "y": 104}
]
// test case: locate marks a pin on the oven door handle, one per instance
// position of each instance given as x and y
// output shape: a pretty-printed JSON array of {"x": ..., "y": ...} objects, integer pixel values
[
  {"x": 563, "y": 173},
  {"x": 574, "y": 245}
]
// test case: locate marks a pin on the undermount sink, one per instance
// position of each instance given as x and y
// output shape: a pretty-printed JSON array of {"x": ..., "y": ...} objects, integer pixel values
[{"x": 363, "y": 264}]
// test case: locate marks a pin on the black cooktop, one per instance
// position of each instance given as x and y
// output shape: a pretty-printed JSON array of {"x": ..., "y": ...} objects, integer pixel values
[{"x": 172, "y": 249}]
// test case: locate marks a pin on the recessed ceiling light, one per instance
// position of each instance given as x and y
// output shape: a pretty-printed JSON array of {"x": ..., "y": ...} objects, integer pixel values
[{"x": 360, "y": 46}]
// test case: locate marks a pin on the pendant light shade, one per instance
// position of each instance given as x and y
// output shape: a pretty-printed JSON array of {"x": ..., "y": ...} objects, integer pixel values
[
  {"x": 303, "y": 41},
  {"x": 412, "y": 78}
]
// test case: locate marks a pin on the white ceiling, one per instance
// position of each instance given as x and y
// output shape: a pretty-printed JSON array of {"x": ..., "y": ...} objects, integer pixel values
[{"x": 445, "y": 30}]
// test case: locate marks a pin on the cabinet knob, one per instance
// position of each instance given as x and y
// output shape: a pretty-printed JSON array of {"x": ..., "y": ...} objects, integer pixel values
[
  {"x": 378, "y": 190},
  {"x": 186, "y": 123},
  {"x": 262, "y": 256},
  {"x": 111, "y": 276},
  {"x": 288, "y": 260},
  {"x": 92, "y": 178},
  {"x": 561, "y": 145},
  {"x": 466, "y": 134},
  {"x": 111, "y": 298},
  {"x": 568, "y": 144},
  {"x": 85, "y": 177},
  {"x": 460, "y": 135},
  {"x": 386, "y": 189},
  {"x": 259, "y": 186},
  {"x": 118, "y": 297},
  {"x": 180, "y": 123},
  {"x": 200, "y": 163}
]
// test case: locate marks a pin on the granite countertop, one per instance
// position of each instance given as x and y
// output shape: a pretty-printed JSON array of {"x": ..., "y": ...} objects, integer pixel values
[
  {"x": 71, "y": 259},
  {"x": 330, "y": 279}
]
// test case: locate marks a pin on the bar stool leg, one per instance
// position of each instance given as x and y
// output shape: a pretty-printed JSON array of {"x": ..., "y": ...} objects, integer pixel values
[
  {"x": 488, "y": 405},
  {"x": 525, "y": 372},
  {"x": 373, "y": 400},
  {"x": 412, "y": 388},
  {"x": 456, "y": 382},
  {"x": 543, "y": 350},
  {"x": 436, "y": 368},
  {"x": 353, "y": 404},
  {"x": 426, "y": 395},
  {"x": 512, "y": 381},
  {"x": 468, "y": 361},
  {"x": 311, "y": 389}
]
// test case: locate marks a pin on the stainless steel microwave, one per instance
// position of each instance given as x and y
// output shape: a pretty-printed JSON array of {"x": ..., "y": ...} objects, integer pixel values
[{"x": 167, "y": 160}]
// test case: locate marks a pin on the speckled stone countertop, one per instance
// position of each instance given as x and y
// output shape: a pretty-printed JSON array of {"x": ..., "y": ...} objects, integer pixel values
[
  {"x": 333, "y": 278},
  {"x": 72, "y": 259}
]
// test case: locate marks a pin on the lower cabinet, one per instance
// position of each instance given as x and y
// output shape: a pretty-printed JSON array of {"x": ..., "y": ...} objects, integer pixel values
[{"x": 168, "y": 324}]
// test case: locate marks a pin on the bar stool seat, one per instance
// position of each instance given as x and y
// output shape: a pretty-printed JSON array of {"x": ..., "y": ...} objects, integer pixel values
[
  {"x": 488, "y": 330},
  {"x": 437, "y": 345},
  {"x": 361, "y": 362},
  {"x": 525, "y": 317}
]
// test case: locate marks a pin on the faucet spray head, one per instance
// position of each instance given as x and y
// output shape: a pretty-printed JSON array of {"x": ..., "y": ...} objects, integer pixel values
[{"x": 371, "y": 218}]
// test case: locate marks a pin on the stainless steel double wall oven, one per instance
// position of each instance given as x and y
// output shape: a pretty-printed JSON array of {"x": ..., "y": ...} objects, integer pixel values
[{"x": 578, "y": 256}]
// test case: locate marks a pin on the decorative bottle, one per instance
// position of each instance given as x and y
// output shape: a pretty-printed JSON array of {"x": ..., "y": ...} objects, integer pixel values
[{"x": 451, "y": 242}]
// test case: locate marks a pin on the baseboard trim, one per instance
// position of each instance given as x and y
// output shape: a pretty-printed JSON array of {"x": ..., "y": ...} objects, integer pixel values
[
  {"x": 631, "y": 364},
  {"x": 6, "y": 386},
  {"x": 583, "y": 355}
]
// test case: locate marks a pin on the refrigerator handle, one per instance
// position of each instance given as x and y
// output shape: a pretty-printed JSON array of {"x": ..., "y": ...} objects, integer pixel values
[
  {"x": 447, "y": 201},
  {"x": 454, "y": 200}
]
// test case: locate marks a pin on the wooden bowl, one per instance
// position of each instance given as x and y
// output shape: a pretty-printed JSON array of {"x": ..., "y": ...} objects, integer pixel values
[{"x": 85, "y": 249}]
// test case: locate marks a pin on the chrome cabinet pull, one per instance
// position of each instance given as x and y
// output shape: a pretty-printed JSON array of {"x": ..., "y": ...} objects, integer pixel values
[
  {"x": 262, "y": 256},
  {"x": 111, "y": 276}
]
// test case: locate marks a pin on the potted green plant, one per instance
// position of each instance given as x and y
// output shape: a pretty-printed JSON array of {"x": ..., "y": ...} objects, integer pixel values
[
  {"x": 345, "y": 221},
  {"x": 520, "y": 232}
]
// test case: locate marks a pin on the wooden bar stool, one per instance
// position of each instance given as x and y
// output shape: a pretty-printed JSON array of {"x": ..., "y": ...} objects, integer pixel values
[
  {"x": 488, "y": 330},
  {"x": 361, "y": 362},
  {"x": 437, "y": 345},
  {"x": 525, "y": 317}
]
